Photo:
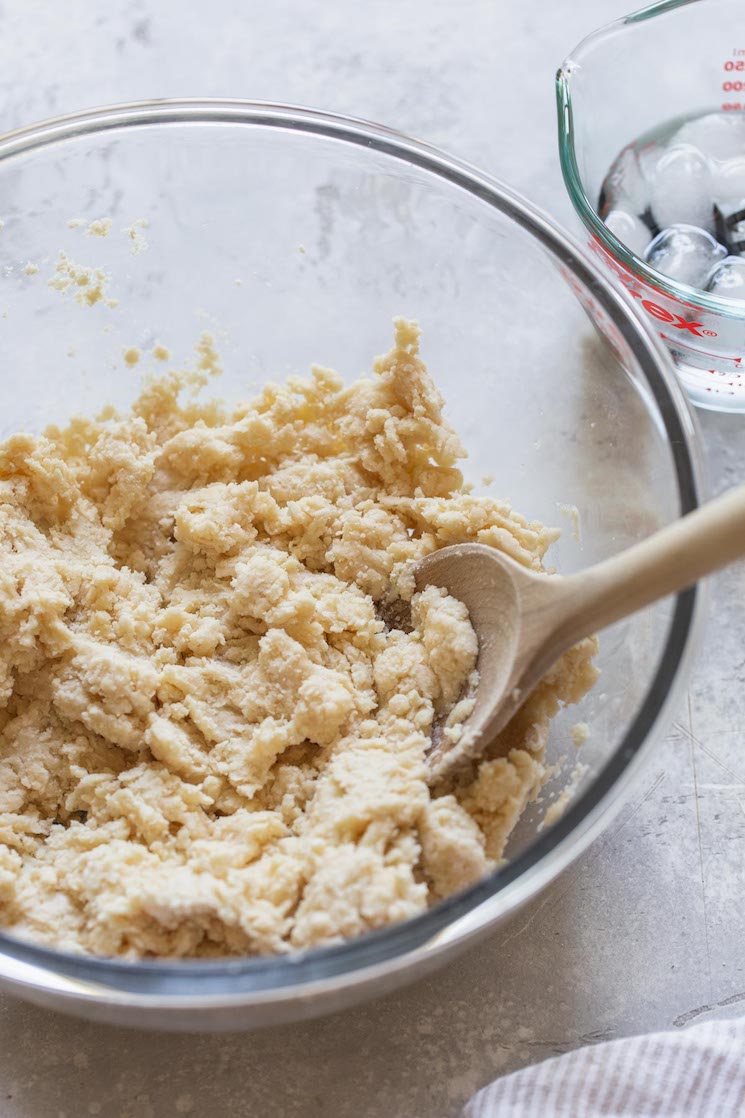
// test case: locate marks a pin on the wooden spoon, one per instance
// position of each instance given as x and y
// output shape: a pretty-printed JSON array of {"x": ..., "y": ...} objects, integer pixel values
[{"x": 525, "y": 620}]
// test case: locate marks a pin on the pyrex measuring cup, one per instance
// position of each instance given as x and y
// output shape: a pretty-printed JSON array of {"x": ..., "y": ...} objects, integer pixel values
[{"x": 674, "y": 59}]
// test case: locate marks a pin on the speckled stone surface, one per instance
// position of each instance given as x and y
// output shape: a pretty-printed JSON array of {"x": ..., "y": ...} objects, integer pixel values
[{"x": 645, "y": 931}]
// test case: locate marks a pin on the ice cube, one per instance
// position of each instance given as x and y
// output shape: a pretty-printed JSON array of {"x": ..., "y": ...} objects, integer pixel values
[
  {"x": 630, "y": 230},
  {"x": 729, "y": 182},
  {"x": 716, "y": 135},
  {"x": 625, "y": 187},
  {"x": 728, "y": 278},
  {"x": 681, "y": 191},
  {"x": 684, "y": 253}
]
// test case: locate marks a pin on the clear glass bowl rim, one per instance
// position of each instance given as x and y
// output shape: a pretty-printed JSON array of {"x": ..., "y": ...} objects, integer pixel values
[
  {"x": 254, "y": 980},
  {"x": 733, "y": 309}
]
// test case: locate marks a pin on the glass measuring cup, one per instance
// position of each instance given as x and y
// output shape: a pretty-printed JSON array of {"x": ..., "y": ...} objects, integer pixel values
[{"x": 675, "y": 59}]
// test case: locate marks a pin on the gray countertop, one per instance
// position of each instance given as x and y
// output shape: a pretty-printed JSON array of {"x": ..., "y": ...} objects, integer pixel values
[{"x": 645, "y": 930}]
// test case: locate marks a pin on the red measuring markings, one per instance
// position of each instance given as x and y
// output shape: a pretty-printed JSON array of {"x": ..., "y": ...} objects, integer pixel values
[
  {"x": 734, "y": 79},
  {"x": 696, "y": 349}
]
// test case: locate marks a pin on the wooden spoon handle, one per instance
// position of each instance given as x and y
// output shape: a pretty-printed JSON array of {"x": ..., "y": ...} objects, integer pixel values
[{"x": 673, "y": 558}]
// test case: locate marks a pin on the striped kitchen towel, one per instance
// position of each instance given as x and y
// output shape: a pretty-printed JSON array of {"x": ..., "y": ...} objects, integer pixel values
[{"x": 698, "y": 1072}]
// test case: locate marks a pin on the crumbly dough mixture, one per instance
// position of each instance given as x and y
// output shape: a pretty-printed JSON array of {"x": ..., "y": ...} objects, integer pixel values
[{"x": 211, "y": 742}]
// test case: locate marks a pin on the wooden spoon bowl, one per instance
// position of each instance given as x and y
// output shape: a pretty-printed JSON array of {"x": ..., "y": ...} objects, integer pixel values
[{"x": 525, "y": 619}]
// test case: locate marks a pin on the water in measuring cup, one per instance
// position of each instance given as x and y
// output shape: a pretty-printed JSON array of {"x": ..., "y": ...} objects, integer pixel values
[{"x": 676, "y": 198}]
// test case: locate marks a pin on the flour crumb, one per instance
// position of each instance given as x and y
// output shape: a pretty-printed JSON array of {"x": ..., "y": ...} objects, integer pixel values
[
  {"x": 31, "y": 269},
  {"x": 209, "y": 359},
  {"x": 562, "y": 802},
  {"x": 572, "y": 512},
  {"x": 580, "y": 734},
  {"x": 71, "y": 351},
  {"x": 238, "y": 283},
  {"x": 487, "y": 479},
  {"x": 184, "y": 1104},
  {"x": 132, "y": 355},
  {"x": 134, "y": 232},
  {"x": 76, "y": 223},
  {"x": 101, "y": 227},
  {"x": 161, "y": 352},
  {"x": 301, "y": 249},
  {"x": 88, "y": 285},
  {"x": 2, "y": 224}
]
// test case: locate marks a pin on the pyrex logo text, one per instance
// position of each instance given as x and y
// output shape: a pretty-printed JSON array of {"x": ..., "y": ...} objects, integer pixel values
[{"x": 677, "y": 321}]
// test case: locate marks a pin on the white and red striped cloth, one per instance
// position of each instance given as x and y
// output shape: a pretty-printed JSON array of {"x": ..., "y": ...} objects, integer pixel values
[{"x": 698, "y": 1072}]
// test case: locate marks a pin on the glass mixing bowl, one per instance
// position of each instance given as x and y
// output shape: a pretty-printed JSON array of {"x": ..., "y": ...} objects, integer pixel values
[{"x": 296, "y": 236}]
